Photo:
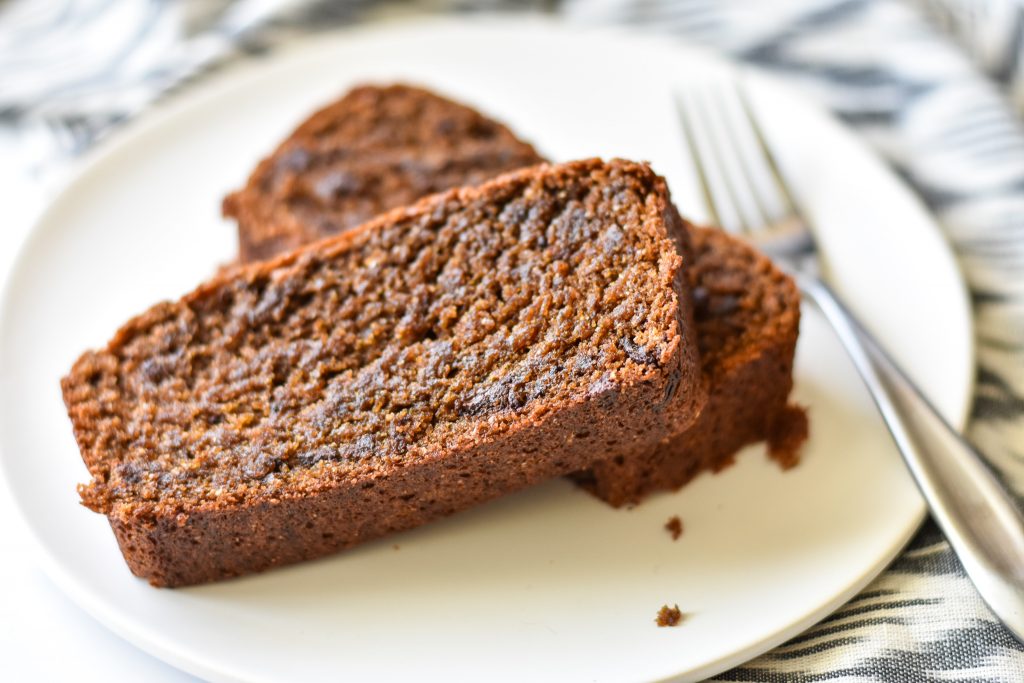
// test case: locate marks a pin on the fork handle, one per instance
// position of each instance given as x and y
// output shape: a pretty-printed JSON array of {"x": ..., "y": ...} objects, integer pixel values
[{"x": 982, "y": 522}]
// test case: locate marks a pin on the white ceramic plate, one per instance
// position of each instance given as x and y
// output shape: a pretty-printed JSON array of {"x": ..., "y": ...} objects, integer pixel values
[{"x": 549, "y": 584}]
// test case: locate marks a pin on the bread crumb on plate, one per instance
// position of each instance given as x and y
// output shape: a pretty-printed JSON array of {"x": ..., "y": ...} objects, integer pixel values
[
  {"x": 674, "y": 525},
  {"x": 669, "y": 616}
]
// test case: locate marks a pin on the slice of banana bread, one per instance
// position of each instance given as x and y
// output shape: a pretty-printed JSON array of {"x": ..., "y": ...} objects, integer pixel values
[
  {"x": 747, "y": 314},
  {"x": 441, "y": 355},
  {"x": 377, "y": 148}
]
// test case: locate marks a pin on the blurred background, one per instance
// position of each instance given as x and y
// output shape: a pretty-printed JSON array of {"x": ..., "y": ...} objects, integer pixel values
[{"x": 935, "y": 86}]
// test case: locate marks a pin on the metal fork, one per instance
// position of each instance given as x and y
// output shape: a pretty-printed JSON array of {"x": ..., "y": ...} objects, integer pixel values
[{"x": 983, "y": 524}]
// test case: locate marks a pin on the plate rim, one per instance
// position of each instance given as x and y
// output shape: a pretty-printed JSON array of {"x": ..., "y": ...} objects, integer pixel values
[{"x": 237, "y": 75}]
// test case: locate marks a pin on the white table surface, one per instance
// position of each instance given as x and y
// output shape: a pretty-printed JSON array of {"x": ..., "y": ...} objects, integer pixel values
[{"x": 43, "y": 635}]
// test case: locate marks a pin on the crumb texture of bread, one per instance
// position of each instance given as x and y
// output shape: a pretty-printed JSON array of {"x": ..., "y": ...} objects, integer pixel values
[
  {"x": 747, "y": 316},
  {"x": 376, "y": 148},
  {"x": 441, "y": 355}
]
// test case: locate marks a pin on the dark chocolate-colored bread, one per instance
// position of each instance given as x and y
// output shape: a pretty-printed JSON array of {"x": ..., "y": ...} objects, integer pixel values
[
  {"x": 747, "y": 314},
  {"x": 377, "y": 148},
  {"x": 444, "y": 354}
]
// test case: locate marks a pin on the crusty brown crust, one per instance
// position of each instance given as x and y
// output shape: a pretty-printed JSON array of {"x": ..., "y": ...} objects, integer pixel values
[
  {"x": 196, "y": 490},
  {"x": 374, "y": 149},
  {"x": 747, "y": 321}
]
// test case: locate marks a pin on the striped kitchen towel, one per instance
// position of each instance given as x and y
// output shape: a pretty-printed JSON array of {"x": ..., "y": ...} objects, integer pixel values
[{"x": 937, "y": 86}]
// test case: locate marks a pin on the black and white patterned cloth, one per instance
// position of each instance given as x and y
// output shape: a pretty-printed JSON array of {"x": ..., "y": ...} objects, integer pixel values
[{"x": 937, "y": 86}]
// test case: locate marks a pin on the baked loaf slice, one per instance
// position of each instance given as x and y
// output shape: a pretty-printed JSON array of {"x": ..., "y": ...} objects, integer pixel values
[
  {"x": 375, "y": 149},
  {"x": 442, "y": 355},
  {"x": 747, "y": 314}
]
